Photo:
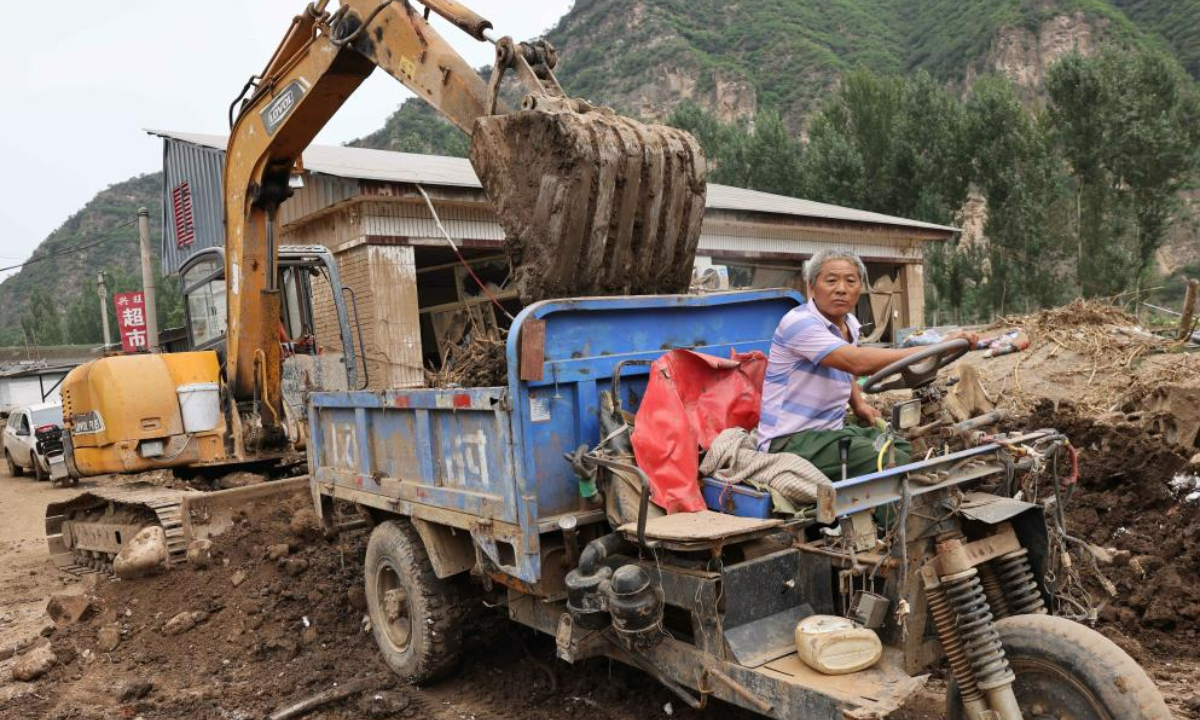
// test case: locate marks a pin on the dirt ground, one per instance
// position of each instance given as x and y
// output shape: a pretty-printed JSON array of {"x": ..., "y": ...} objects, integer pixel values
[
  {"x": 278, "y": 615},
  {"x": 294, "y": 626}
]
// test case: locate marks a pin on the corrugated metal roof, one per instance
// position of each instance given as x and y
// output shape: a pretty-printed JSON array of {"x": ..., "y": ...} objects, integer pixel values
[{"x": 390, "y": 166}]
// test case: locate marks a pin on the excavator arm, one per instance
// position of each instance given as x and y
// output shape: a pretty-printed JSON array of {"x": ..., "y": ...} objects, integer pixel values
[
  {"x": 322, "y": 60},
  {"x": 591, "y": 202}
]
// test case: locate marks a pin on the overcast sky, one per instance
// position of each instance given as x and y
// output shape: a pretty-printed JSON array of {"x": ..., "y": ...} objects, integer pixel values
[{"x": 84, "y": 78}]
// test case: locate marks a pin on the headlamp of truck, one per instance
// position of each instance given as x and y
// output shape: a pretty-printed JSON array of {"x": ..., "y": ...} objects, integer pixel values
[{"x": 906, "y": 415}]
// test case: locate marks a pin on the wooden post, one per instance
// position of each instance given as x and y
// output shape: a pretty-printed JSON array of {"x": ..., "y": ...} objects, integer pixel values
[{"x": 1189, "y": 309}]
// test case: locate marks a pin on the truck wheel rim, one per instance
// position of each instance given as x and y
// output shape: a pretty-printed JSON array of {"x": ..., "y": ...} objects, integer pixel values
[
  {"x": 393, "y": 601},
  {"x": 1046, "y": 692}
]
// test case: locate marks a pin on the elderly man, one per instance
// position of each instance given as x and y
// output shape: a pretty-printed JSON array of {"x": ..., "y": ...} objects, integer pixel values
[{"x": 815, "y": 358}]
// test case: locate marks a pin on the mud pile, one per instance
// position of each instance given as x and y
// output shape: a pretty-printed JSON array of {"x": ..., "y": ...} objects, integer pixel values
[
  {"x": 278, "y": 617},
  {"x": 1137, "y": 498},
  {"x": 1094, "y": 356}
]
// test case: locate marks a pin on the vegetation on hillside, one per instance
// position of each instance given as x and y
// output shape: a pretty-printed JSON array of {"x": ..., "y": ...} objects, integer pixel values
[
  {"x": 870, "y": 134},
  {"x": 1079, "y": 196},
  {"x": 416, "y": 127},
  {"x": 60, "y": 277}
]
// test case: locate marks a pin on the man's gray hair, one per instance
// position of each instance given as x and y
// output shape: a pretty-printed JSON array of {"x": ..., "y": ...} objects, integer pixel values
[{"x": 812, "y": 270}]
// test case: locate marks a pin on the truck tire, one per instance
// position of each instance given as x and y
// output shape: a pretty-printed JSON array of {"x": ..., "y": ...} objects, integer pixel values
[
  {"x": 13, "y": 469},
  {"x": 414, "y": 616},
  {"x": 1066, "y": 670}
]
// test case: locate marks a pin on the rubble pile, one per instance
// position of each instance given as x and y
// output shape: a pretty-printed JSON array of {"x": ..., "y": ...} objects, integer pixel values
[
  {"x": 478, "y": 361},
  {"x": 1090, "y": 354},
  {"x": 275, "y": 615},
  {"x": 1136, "y": 502}
]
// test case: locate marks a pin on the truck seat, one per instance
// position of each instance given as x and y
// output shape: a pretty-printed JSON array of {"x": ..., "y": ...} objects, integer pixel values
[{"x": 698, "y": 530}]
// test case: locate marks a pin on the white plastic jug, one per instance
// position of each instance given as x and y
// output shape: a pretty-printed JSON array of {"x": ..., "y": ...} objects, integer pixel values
[{"x": 835, "y": 645}]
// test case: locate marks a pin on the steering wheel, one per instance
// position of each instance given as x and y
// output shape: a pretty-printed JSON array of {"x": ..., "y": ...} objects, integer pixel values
[{"x": 918, "y": 369}]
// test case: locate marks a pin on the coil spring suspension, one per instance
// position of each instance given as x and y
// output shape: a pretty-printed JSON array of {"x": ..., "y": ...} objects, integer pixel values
[
  {"x": 1020, "y": 590},
  {"x": 994, "y": 591},
  {"x": 979, "y": 637},
  {"x": 956, "y": 655}
]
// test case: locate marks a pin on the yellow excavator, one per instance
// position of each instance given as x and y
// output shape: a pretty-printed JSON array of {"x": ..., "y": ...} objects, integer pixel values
[{"x": 591, "y": 203}]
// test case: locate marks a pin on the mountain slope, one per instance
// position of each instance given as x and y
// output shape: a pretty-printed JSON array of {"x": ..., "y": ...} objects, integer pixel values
[
  {"x": 64, "y": 266},
  {"x": 731, "y": 57}
]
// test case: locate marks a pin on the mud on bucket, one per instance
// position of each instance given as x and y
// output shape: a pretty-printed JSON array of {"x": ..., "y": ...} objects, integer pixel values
[{"x": 592, "y": 203}]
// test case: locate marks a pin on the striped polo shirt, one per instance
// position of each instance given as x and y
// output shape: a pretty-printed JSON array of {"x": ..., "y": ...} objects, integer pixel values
[{"x": 799, "y": 393}]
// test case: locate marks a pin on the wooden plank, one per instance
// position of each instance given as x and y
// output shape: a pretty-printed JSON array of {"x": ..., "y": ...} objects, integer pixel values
[{"x": 533, "y": 349}]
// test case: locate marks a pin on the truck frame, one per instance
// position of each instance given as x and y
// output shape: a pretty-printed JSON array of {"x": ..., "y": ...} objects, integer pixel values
[{"x": 478, "y": 483}]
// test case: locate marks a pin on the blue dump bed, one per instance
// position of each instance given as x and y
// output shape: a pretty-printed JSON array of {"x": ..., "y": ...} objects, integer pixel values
[{"x": 489, "y": 461}]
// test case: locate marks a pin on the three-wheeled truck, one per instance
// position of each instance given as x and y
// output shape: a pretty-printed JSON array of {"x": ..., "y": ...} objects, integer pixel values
[{"x": 530, "y": 491}]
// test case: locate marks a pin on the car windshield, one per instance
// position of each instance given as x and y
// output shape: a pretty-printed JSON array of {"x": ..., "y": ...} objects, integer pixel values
[{"x": 47, "y": 416}]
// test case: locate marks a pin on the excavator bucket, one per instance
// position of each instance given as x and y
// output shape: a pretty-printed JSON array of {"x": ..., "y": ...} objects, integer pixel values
[{"x": 592, "y": 203}]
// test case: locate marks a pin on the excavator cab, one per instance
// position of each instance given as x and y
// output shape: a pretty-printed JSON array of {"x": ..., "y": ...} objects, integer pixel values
[{"x": 332, "y": 346}]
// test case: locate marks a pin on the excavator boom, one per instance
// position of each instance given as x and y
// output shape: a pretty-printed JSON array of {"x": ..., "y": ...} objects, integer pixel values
[{"x": 591, "y": 202}]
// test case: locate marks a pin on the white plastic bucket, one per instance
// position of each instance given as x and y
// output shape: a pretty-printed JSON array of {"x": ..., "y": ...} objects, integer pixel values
[{"x": 201, "y": 406}]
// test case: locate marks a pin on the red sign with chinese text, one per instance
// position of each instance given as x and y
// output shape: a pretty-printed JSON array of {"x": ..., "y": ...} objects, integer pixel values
[{"x": 131, "y": 320}]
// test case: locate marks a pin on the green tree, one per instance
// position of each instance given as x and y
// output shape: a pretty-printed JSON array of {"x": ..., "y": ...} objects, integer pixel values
[
  {"x": 1018, "y": 172},
  {"x": 764, "y": 157},
  {"x": 889, "y": 144},
  {"x": 40, "y": 323},
  {"x": 83, "y": 324},
  {"x": 1129, "y": 128}
]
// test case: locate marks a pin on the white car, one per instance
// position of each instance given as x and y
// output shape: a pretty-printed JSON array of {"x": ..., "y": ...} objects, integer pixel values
[{"x": 20, "y": 443}]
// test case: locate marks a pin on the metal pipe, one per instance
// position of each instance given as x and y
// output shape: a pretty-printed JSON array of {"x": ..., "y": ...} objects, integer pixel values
[
  {"x": 148, "y": 281},
  {"x": 1003, "y": 702},
  {"x": 982, "y": 421},
  {"x": 461, "y": 16}
]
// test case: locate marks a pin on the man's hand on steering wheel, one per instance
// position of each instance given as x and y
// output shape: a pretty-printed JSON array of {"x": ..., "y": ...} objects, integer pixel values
[
  {"x": 917, "y": 368},
  {"x": 968, "y": 335}
]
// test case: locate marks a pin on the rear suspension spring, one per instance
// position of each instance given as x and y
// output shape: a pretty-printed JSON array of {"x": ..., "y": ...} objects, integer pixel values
[
  {"x": 994, "y": 591},
  {"x": 979, "y": 636},
  {"x": 1020, "y": 589},
  {"x": 956, "y": 655}
]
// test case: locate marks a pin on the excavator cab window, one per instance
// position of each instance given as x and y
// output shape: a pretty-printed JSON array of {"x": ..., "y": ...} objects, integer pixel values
[{"x": 204, "y": 292}]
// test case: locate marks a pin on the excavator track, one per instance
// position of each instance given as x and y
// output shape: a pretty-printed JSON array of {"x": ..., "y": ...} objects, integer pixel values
[{"x": 85, "y": 533}]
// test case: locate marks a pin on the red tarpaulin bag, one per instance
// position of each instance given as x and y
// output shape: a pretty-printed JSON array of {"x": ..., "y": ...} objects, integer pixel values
[{"x": 689, "y": 400}]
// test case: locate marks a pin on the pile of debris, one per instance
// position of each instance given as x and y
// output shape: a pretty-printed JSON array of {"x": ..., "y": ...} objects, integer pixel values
[
  {"x": 271, "y": 622},
  {"x": 1137, "y": 503},
  {"x": 1091, "y": 356}
]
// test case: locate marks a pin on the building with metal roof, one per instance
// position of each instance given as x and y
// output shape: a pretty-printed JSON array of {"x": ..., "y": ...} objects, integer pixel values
[{"x": 365, "y": 206}]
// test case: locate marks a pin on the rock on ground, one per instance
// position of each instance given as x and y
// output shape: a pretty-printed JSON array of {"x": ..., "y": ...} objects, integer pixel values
[
  {"x": 108, "y": 638},
  {"x": 133, "y": 690},
  {"x": 183, "y": 622},
  {"x": 199, "y": 554},
  {"x": 304, "y": 524},
  {"x": 70, "y": 609},
  {"x": 146, "y": 554},
  {"x": 34, "y": 664}
]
